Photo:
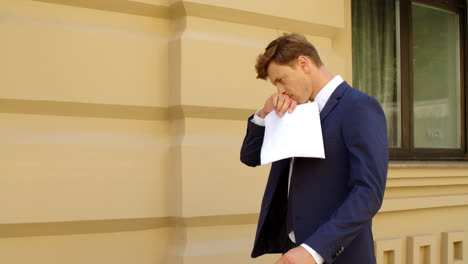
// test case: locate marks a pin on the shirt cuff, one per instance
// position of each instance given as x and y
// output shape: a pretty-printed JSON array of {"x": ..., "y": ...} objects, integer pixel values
[
  {"x": 258, "y": 120},
  {"x": 314, "y": 254}
]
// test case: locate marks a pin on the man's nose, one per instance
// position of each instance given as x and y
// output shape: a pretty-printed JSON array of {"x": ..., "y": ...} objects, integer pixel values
[{"x": 281, "y": 89}]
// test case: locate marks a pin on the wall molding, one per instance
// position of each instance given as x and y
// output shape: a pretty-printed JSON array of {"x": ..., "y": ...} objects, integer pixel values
[
  {"x": 427, "y": 164},
  {"x": 83, "y": 227},
  {"x": 423, "y": 202},
  {"x": 424, "y": 248},
  {"x": 120, "y": 225},
  {"x": 136, "y": 224},
  {"x": 77, "y": 109},
  {"x": 116, "y": 111},
  {"x": 119, "y": 6},
  {"x": 184, "y": 8},
  {"x": 427, "y": 181}
]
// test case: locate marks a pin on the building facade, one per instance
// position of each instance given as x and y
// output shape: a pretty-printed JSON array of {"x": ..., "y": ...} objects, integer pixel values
[{"x": 121, "y": 123}]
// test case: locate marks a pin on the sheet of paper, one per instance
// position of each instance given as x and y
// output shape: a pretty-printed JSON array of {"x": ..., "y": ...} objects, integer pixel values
[{"x": 298, "y": 134}]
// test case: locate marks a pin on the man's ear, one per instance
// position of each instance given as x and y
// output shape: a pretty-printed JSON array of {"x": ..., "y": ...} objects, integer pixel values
[{"x": 304, "y": 63}]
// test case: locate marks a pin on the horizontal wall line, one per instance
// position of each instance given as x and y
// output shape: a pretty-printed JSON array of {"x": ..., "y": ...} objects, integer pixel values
[
  {"x": 82, "y": 227},
  {"x": 423, "y": 202},
  {"x": 208, "y": 112},
  {"x": 428, "y": 164},
  {"x": 252, "y": 18},
  {"x": 120, "y": 6},
  {"x": 76, "y": 109},
  {"x": 138, "y": 224},
  {"x": 427, "y": 182},
  {"x": 218, "y": 220},
  {"x": 182, "y": 8},
  {"x": 119, "y": 225}
]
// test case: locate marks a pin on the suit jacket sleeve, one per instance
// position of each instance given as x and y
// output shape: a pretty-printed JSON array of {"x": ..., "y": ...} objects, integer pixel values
[
  {"x": 252, "y": 145},
  {"x": 365, "y": 136}
]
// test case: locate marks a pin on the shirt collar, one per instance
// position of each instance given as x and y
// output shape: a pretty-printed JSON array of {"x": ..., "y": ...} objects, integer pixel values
[{"x": 327, "y": 90}]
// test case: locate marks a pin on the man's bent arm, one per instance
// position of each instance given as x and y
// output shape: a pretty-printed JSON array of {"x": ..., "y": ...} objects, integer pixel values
[
  {"x": 252, "y": 145},
  {"x": 366, "y": 140}
]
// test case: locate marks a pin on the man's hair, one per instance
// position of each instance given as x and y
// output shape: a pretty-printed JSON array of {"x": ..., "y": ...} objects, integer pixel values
[{"x": 284, "y": 50}]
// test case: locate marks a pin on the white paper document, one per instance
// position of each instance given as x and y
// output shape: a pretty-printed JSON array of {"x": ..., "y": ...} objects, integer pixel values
[{"x": 298, "y": 134}]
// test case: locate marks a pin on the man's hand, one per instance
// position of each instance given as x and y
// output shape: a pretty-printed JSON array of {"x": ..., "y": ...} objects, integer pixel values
[
  {"x": 280, "y": 103},
  {"x": 297, "y": 255}
]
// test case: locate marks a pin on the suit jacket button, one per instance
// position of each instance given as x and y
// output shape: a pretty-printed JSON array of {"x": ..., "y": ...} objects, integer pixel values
[{"x": 267, "y": 206}]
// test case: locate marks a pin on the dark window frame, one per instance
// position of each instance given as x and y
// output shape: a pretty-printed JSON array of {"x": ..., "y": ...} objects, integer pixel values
[{"x": 407, "y": 151}]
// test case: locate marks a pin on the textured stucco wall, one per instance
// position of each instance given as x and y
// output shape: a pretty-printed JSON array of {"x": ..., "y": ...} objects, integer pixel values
[{"x": 121, "y": 123}]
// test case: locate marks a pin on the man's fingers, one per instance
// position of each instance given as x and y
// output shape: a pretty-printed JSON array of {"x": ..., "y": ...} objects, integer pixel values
[
  {"x": 279, "y": 106},
  {"x": 285, "y": 107},
  {"x": 292, "y": 106},
  {"x": 270, "y": 104},
  {"x": 274, "y": 101},
  {"x": 280, "y": 103}
]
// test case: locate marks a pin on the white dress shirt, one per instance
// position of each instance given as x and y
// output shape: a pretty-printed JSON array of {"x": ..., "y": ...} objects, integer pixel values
[{"x": 321, "y": 99}]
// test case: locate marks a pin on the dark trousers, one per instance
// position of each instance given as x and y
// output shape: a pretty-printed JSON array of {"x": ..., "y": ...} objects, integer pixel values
[{"x": 288, "y": 245}]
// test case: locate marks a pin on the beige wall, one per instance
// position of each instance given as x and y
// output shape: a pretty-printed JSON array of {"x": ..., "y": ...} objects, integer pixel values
[{"x": 121, "y": 123}]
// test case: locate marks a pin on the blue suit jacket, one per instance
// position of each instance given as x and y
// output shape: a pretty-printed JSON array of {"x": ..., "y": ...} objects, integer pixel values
[{"x": 334, "y": 198}]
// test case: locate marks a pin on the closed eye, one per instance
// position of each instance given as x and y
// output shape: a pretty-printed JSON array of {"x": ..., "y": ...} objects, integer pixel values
[{"x": 278, "y": 80}]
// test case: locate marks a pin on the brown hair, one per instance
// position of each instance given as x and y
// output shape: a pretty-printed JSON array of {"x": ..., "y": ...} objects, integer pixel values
[{"x": 284, "y": 50}]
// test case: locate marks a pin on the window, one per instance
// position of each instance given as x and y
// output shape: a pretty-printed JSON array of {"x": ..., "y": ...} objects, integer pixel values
[{"x": 410, "y": 55}]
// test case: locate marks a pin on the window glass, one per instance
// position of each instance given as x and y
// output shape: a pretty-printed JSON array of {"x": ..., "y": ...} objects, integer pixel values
[
  {"x": 376, "y": 58},
  {"x": 436, "y": 78}
]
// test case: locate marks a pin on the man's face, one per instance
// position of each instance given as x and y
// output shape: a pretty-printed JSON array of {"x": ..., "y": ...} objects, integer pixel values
[{"x": 291, "y": 81}]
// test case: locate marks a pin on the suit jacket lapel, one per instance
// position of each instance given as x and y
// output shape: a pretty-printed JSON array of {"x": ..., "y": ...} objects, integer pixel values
[{"x": 333, "y": 100}]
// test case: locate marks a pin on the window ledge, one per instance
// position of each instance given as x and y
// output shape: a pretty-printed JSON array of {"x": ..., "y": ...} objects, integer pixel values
[{"x": 428, "y": 164}]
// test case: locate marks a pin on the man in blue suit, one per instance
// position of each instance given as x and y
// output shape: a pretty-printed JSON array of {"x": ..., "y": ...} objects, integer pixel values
[{"x": 319, "y": 210}]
